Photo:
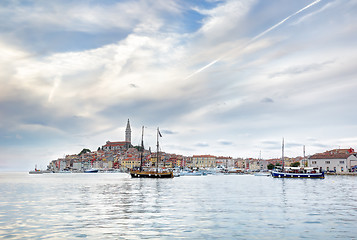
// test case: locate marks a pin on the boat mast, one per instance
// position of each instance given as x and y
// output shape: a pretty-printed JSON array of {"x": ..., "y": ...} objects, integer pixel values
[
  {"x": 157, "y": 151},
  {"x": 142, "y": 149},
  {"x": 282, "y": 155},
  {"x": 304, "y": 162}
]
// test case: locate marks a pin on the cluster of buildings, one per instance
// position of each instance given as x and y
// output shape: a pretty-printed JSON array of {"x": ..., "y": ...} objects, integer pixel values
[{"x": 123, "y": 156}]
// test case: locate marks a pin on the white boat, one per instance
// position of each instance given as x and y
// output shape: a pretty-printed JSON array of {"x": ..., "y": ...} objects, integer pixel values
[
  {"x": 91, "y": 170},
  {"x": 263, "y": 174},
  {"x": 190, "y": 173}
]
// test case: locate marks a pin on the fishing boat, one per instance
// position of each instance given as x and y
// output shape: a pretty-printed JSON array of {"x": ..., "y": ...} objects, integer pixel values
[
  {"x": 150, "y": 173},
  {"x": 296, "y": 172}
]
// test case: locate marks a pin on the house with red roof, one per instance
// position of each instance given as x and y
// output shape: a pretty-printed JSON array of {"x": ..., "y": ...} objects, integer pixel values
[{"x": 336, "y": 160}]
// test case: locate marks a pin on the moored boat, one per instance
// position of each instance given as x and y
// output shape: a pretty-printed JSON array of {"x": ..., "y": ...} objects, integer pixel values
[
  {"x": 150, "y": 174},
  {"x": 262, "y": 174},
  {"x": 91, "y": 170},
  {"x": 36, "y": 171},
  {"x": 190, "y": 173},
  {"x": 296, "y": 172},
  {"x": 156, "y": 173}
]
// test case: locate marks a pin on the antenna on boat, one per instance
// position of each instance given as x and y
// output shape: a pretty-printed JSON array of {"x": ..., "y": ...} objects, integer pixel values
[
  {"x": 304, "y": 161},
  {"x": 282, "y": 154},
  {"x": 157, "y": 149}
]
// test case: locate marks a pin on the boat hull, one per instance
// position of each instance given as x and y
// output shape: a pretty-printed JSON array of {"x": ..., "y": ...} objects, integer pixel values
[
  {"x": 149, "y": 174},
  {"x": 297, "y": 175},
  {"x": 91, "y": 171}
]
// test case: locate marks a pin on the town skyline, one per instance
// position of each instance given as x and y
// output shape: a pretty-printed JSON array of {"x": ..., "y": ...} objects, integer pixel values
[{"x": 218, "y": 77}]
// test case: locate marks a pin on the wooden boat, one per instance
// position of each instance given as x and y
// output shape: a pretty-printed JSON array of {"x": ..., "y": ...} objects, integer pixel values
[
  {"x": 157, "y": 173},
  {"x": 296, "y": 172},
  {"x": 150, "y": 174}
]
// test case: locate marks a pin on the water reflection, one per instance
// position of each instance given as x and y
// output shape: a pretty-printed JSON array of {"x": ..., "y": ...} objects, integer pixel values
[{"x": 114, "y": 206}]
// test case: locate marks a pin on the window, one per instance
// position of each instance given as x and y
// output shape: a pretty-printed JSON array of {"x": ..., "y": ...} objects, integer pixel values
[
  {"x": 341, "y": 169},
  {"x": 327, "y": 162},
  {"x": 342, "y": 162},
  {"x": 328, "y": 169},
  {"x": 313, "y": 162}
]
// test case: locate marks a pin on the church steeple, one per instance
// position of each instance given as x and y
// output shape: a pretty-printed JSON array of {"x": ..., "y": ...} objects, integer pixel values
[{"x": 128, "y": 133}]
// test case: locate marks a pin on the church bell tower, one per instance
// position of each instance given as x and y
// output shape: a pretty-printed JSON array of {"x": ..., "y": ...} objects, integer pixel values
[{"x": 128, "y": 134}]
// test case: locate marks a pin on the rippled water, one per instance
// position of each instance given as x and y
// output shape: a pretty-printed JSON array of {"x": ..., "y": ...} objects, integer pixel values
[{"x": 114, "y": 206}]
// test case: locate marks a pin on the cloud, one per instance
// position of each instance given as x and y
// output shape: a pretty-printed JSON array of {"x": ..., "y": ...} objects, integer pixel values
[
  {"x": 100, "y": 68},
  {"x": 225, "y": 142},
  {"x": 267, "y": 100},
  {"x": 169, "y": 132},
  {"x": 301, "y": 69},
  {"x": 202, "y": 144},
  {"x": 80, "y": 16}
]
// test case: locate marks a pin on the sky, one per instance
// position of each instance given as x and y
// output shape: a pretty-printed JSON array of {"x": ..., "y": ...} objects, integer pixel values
[{"x": 227, "y": 78}]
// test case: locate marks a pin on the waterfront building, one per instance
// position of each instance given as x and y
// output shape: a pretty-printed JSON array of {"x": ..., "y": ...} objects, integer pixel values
[
  {"x": 336, "y": 160},
  {"x": 241, "y": 163},
  {"x": 203, "y": 161},
  {"x": 258, "y": 165},
  {"x": 226, "y": 162}
]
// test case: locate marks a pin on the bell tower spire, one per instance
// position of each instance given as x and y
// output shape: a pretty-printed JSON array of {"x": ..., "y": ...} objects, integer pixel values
[{"x": 128, "y": 133}]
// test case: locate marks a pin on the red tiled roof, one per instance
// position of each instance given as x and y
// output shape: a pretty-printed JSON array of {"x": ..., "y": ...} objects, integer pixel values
[
  {"x": 112, "y": 144},
  {"x": 203, "y": 156},
  {"x": 330, "y": 155}
]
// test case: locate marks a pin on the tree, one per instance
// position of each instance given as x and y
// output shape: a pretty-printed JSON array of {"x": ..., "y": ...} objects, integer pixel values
[
  {"x": 271, "y": 166},
  {"x": 84, "y": 150},
  {"x": 139, "y": 148},
  {"x": 295, "y": 164}
]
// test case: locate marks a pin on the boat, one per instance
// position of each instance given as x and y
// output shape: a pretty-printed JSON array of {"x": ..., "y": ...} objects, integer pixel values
[
  {"x": 150, "y": 173},
  {"x": 91, "y": 170},
  {"x": 190, "y": 173},
  {"x": 262, "y": 174},
  {"x": 36, "y": 171},
  {"x": 296, "y": 172}
]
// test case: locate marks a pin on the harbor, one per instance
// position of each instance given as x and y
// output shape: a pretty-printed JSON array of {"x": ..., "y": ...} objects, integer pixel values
[{"x": 116, "y": 206}]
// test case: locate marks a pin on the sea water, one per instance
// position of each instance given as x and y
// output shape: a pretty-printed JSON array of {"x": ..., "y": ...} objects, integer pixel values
[{"x": 115, "y": 206}]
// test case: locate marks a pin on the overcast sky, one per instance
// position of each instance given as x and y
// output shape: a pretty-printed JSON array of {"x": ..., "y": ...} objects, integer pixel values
[{"x": 227, "y": 78}]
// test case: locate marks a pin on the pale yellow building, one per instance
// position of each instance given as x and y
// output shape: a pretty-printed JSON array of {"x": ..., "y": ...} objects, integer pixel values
[{"x": 203, "y": 161}]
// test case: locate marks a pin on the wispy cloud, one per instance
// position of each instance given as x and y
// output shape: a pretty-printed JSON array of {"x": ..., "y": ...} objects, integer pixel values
[
  {"x": 301, "y": 69},
  {"x": 217, "y": 77}
]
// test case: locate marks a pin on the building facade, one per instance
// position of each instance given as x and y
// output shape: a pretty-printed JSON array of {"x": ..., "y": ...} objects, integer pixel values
[
  {"x": 337, "y": 160},
  {"x": 203, "y": 161}
]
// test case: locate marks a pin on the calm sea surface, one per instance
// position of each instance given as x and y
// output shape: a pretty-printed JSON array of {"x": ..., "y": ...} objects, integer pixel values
[{"x": 114, "y": 206}]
